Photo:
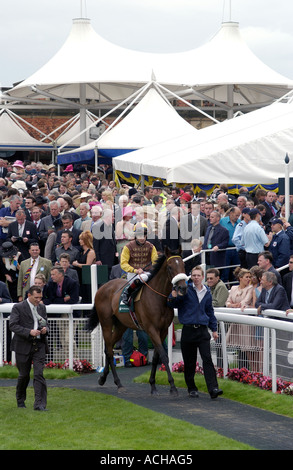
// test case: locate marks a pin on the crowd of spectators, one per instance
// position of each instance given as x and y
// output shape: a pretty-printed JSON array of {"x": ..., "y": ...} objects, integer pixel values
[{"x": 51, "y": 226}]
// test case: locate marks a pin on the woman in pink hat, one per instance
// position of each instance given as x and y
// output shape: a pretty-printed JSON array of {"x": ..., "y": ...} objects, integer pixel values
[{"x": 124, "y": 228}]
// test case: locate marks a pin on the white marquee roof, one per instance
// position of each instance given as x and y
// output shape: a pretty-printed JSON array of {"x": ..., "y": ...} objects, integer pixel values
[
  {"x": 14, "y": 137},
  {"x": 249, "y": 149},
  {"x": 111, "y": 72},
  {"x": 152, "y": 120}
]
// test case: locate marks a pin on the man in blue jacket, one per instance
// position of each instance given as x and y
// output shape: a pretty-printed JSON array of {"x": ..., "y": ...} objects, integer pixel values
[
  {"x": 280, "y": 244},
  {"x": 196, "y": 313}
]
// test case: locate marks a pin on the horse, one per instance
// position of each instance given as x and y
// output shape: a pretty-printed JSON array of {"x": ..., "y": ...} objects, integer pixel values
[{"x": 151, "y": 314}]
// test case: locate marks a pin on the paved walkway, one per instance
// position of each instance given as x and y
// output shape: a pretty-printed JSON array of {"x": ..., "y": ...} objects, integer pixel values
[{"x": 258, "y": 428}]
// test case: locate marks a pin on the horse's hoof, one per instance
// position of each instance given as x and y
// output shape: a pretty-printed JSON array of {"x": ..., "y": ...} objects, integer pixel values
[
  {"x": 121, "y": 389},
  {"x": 101, "y": 380},
  {"x": 174, "y": 392},
  {"x": 154, "y": 391}
]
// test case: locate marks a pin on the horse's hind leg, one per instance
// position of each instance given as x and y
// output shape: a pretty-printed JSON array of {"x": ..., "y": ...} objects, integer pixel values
[{"x": 165, "y": 360}]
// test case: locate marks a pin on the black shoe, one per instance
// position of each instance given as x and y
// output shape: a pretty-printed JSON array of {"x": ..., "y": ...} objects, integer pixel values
[
  {"x": 21, "y": 405},
  {"x": 193, "y": 394},
  {"x": 41, "y": 408},
  {"x": 216, "y": 392}
]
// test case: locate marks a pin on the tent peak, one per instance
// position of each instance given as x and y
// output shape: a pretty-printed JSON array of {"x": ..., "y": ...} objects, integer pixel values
[{"x": 81, "y": 20}]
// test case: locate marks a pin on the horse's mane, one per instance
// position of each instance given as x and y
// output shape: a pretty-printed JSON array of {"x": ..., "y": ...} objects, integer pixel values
[{"x": 159, "y": 263}]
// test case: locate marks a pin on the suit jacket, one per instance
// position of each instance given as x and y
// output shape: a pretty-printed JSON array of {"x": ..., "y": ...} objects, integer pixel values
[
  {"x": 44, "y": 267},
  {"x": 69, "y": 287},
  {"x": 277, "y": 300},
  {"x": 21, "y": 323},
  {"x": 46, "y": 223},
  {"x": 270, "y": 214},
  {"x": 105, "y": 244},
  {"x": 287, "y": 284},
  {"x": 171, "y": 235},
  {"x": 4, "y": 293},
  {"x": 280, "y": 249},
  {"x": 220, "y": 238},
  {"x": 29, "y": 231}
]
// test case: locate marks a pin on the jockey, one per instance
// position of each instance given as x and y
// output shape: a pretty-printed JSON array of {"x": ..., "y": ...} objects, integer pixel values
[{"x": 136, "y": 258}]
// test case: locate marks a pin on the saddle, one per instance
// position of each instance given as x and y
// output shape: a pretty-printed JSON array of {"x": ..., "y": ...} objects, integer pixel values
[{"x": 123, "y": 308}]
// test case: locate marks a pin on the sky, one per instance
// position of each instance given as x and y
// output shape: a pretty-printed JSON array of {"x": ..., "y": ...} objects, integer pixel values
[{"x": 32, "y": 31}]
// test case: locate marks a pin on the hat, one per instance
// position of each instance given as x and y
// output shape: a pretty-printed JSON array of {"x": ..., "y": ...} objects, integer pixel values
[
  {"x": 140, "y": 229},
  {"x": 69, "y": 168},
  {"x": 277, "y": 221},
  {"x": 132, "y": 191},
  {"x": 157, "y": 184},
  {"x": 246, "y": 210},
  {"x": 40, "y": 200},
  {"x": 94, "y": 203},
  {"x": 186, "y": 197},
  {"x": 84, "y": 195},
  {"x": 128, "y": 212},
  {"x": 19, "y": 185},
  {"x": 254, "y": 212},
  {"x": 51, "y": 166},
  {"x": 18, "y": 163},
  {"x": 7, "y": 250}
]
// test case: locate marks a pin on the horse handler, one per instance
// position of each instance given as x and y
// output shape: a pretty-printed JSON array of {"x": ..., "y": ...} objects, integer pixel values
[{"x": 196, "y": 313}]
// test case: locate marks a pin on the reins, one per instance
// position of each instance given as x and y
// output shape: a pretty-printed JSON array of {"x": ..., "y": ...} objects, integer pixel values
[{"x": 146, "y": 284}]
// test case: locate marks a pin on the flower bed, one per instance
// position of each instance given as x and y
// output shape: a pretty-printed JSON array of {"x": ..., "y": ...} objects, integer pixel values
[
  {"x": 244, "y": 376},
  {"x": 81, "y": 366}
]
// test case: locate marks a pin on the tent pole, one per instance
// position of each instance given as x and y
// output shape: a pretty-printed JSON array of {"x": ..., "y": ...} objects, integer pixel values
[
  {"x": 96, "y": 160},
  {"x": 287, "y": 187},
  {"x": 82, "y": 114}
]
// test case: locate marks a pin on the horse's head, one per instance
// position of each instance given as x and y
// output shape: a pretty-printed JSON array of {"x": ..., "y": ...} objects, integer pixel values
[{"x": 176, "y": 273}]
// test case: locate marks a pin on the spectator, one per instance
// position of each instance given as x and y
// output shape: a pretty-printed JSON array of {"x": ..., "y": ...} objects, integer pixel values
[
  {"x": 273, "y": 296},
  {"x": 66, "y": 247},
  {"x": 230, "y": 222},
  {"x": 35, "y": 264},
  {"x": 7, "y": 215},
  {"x": 287, "y": 282},
  {"x": 280, "y": 244},
  {"x": 61, "y": 289},
  {"x": 105, "y": 242},
  {"x": 217, "y": 287},
  {"x": 265, "y": 262},
  {"x": 10, "y": 264},
  {"x": 216, "y": 238},
  {"x": 254, "y": 238},
  {"x": 28, "y": 322},
  {"x": 237, "y": 238},
  {"x": 84, "y": 215},
  {"x": 64, "y": 262},
  {"x": 22, "y": 233},
  {"x": 86, "y": 257}
]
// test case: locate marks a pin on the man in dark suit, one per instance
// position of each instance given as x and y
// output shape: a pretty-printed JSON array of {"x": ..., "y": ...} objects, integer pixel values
[
  {"x": 61, "y": 289},
  {"x": 193, "y": 226},
  {"x": 171, "y": 232},
  {"x": 28, "y": 322},
  {"x": 271, "y": 210},
  {"x": 22, "y": 233},
  {"x": 216, "y": 238},
  {"x": 273, "y": 295},
  {"x": 104, "y": 241},
  {"x": 287, "y": 282}
]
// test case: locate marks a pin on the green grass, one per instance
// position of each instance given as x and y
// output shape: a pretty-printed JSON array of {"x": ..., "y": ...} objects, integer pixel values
[
  {"x": 243, "y": 393},
  {"x": 11, "y": 372},
  {"x": 79, "y": 420}
]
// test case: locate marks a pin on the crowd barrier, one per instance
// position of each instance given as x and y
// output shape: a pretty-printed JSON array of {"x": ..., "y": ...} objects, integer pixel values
[{"x": 263, "y": 344}]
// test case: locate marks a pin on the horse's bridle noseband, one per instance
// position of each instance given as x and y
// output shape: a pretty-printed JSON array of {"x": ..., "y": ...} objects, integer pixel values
[{"x": 178, "y": 277}]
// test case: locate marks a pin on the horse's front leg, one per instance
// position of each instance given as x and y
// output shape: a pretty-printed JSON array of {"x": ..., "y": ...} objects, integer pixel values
[
  {"x": 165, "y": 360},
  {"x": 152, "y": 379}
]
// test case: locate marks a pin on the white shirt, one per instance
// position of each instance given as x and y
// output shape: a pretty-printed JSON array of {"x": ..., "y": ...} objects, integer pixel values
[{"x": 200, "y": 292}]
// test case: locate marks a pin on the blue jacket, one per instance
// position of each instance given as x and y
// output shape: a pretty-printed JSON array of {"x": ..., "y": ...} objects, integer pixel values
[{"x": 191, "y": 312}]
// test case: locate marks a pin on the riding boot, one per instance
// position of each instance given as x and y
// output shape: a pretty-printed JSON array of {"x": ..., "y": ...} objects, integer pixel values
[{"x": 131, "y": 290}]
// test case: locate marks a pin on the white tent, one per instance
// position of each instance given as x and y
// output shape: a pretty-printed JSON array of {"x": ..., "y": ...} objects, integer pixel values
[
  {"x": 70, "y": 136},
  {"x": 152, "y": 120},
  {"x": 249, "y": 149},
  {"x": 13, "y": 136},
  {"x": 88, "y": 67}
]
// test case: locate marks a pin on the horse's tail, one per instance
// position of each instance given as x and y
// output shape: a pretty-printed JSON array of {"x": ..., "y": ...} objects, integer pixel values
[{"x": 93, "y": 319}]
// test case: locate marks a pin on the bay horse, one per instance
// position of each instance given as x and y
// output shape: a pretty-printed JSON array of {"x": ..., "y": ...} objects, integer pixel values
[{"x": 151, "y": 312}]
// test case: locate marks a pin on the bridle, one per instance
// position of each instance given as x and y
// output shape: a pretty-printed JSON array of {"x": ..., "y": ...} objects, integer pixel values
[{"x": 174, "y": 280}]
